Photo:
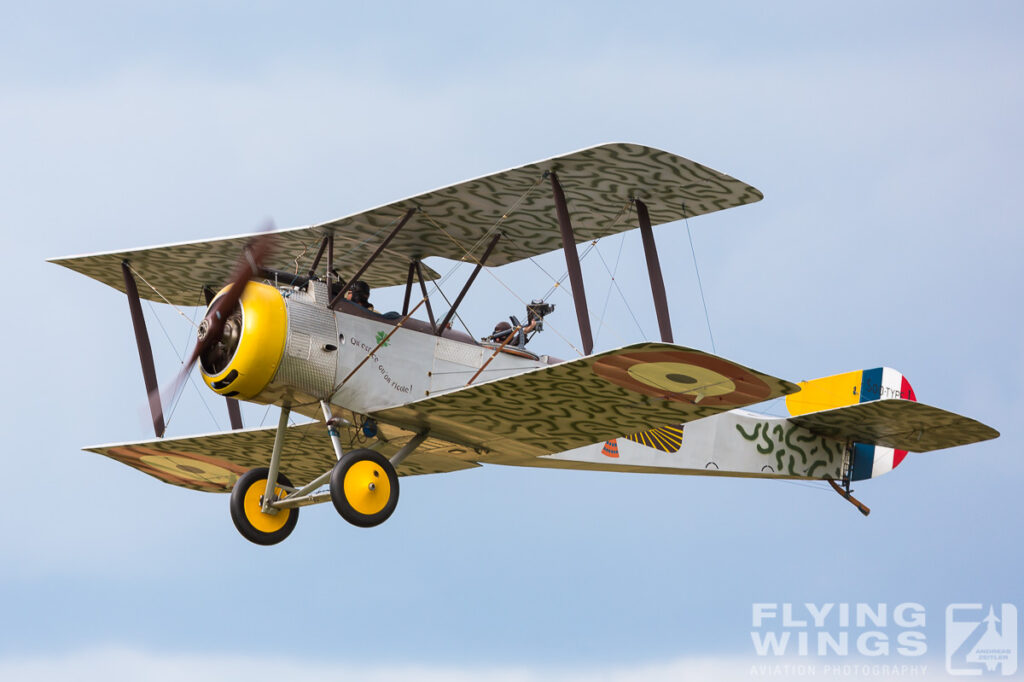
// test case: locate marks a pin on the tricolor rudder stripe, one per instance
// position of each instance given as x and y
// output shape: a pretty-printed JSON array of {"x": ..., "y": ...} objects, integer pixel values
[
  {"x": 841, "y": 390},
  {"x": 870, "y": 461},
  {"x": 884, "y": 382},
  {"x": 862, "y": 386}
]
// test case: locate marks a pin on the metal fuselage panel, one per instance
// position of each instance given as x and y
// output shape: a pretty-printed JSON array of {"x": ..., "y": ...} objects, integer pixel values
[
  {"x": 309, "y": 364},
  {"x": 345, "y": 359},
  {"x": 409, "y": 365}
]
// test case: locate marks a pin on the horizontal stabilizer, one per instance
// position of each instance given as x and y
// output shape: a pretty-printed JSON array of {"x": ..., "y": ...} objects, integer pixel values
[
  {"x": 898, "y": 424},
  {"x": 213, "y": 462},
  {"x": 585, "y": 401}
]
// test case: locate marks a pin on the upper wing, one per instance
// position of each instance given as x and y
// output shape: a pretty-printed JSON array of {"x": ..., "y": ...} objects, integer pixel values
[
  {"x": 213, "y": 462},
  {"x": 180, "y": 271},
  {"x": 896, "y": 423},
  {"x": 585, "y": 401},
  {"x": 599, "y": 183}
]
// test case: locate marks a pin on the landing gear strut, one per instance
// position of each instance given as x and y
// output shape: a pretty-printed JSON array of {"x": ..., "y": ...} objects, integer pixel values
[{"x": 363, "y": 487}]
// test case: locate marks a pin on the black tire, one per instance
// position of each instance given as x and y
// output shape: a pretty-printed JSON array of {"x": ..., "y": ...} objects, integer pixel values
[
  {"x": 370, "y": 479},
  {"x": 251, "y": 522}
]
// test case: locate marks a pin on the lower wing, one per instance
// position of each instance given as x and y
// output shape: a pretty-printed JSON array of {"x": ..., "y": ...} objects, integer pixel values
[
  {"x": 213, "y": 462},
  {"x": 561, "y": 407}
]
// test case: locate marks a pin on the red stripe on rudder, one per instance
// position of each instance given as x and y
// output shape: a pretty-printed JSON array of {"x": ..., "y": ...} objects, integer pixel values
[{"x": 907, "y": 393}]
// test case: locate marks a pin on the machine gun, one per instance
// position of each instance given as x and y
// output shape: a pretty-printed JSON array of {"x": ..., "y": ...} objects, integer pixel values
[{"x": 536, "y": 310}]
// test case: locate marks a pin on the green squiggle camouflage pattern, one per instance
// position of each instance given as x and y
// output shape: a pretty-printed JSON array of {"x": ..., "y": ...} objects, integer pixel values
[
  {"x": 599, "y": 183},
  {"x": 897, "y": 423},
  {"x": 792, "y": 450},
  {"x": 561, "y": 407}
]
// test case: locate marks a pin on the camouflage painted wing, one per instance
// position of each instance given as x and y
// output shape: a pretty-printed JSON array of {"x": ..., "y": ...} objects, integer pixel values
[
  {"x": 212, "y": 463},
  {"x": 585, "y": 401},
  {"x": 898, "y": 424}
]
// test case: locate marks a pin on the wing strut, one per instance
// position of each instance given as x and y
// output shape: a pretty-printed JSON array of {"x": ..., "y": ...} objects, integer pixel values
[
  {"x": 423, "y": 288},
  {"x": 319, "y": 255},
  {"x": 234, "y": 413},
  {"x": 145, "y": 349},
  {"x": 572, "y": 262},
  {"x": 654, "y": 270},
  {"x": 408, "y": 287},
  {"x": 369, "y": 261},
  {"x": 330, "y": 260},
  {"x": 469, "y": 282}
]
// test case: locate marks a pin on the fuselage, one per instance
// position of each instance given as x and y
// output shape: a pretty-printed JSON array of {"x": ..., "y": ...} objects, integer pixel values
[
  {"x": 363, "y": 362},
  {"x": 355, "y": 359}
]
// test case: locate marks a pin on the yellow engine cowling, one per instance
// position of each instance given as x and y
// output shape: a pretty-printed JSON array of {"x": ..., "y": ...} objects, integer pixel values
[{"x": 246, "y": 359}]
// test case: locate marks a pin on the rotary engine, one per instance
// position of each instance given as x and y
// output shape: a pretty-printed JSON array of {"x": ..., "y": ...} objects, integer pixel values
[{"x": 276, "y": 343}]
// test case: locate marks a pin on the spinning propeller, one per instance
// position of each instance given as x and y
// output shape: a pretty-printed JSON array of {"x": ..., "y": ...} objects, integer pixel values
[{"x": 221, "y": 328}]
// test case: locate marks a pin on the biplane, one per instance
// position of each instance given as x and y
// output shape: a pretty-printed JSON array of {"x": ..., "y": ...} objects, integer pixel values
[{"x": 402, "y": 393}]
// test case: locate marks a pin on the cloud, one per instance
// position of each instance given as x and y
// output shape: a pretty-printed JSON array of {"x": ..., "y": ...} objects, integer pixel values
[{"x": 117, "y": 664}]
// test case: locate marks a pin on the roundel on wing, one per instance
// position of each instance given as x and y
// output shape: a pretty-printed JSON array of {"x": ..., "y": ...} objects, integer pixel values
[{"x": 684, "y": 376}]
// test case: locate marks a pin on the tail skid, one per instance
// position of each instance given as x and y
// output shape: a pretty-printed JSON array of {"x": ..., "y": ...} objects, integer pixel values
[{"x": 845, "y": 493}]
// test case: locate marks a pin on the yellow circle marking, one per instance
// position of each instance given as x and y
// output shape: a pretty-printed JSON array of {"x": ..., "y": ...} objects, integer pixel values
[
  {"x": 265, "y": 523},
  {"x": 679, "y": 377},
  {"x": 358, "y": 481}
]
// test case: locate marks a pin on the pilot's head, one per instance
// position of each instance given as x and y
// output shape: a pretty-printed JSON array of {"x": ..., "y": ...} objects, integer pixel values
[{"x": 359, "y": 292}]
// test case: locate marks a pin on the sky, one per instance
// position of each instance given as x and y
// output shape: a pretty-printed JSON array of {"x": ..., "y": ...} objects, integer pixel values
[{"x": 885, "y": 138}]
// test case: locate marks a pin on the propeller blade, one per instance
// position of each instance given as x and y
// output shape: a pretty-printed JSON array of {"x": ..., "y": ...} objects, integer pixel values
[{"x": 211, "y": 329}]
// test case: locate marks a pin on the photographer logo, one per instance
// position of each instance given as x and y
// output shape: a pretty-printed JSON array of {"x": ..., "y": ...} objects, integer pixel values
[{"x": 981, "y": 639}]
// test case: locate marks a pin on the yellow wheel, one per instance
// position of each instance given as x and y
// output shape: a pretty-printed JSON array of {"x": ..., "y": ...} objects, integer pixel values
[
  {"x": 247, "y": 509},
  {"x": 364, "y": 488}
]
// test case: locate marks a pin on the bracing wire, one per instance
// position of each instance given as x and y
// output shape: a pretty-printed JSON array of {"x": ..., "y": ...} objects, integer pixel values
[
  {"x": 608, "y": 294},
  {"x": 472, "y": 257},
  {"x": 615, "y": 282},
  {"x": 805, "y": 484},
  {"x": 162, "y": 297},
  {"x": 265, "y": 413},
  {"x": 700, "y": 286},
  {"x": 586, "y": 251},
  {"x": 177, "y": 401},
  {"x": 457, "y": 316},
  {"x": 349, "y": 252},
  {"x": 195, "y": 311},
  {"x": 565, "y": 275},
  {"x": 557, "y": 282}
]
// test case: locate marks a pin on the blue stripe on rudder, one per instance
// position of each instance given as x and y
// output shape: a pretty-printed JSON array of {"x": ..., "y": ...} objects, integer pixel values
[
  {"x": 871, "y": 385},
  {"x": 863, "y": 461}
]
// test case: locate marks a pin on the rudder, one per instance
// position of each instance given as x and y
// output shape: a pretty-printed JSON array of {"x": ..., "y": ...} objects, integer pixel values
[{"x": 851, "y": 388}]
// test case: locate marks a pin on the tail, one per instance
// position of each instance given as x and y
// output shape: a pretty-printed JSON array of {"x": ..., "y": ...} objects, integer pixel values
[{"x": 852, "y": 388}]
